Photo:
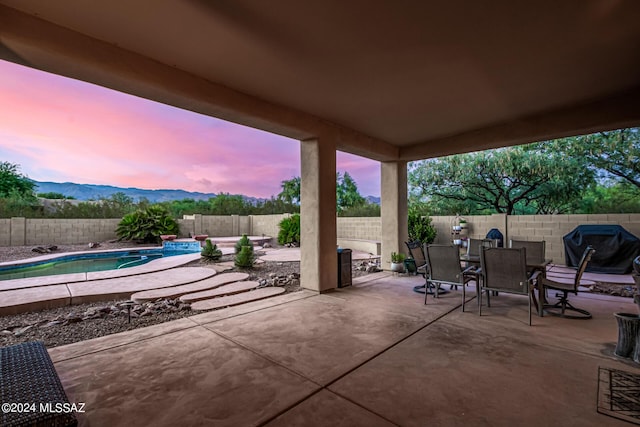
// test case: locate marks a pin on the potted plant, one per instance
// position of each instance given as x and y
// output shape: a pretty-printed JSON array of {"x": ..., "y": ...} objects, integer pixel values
[{"x": 397, "y": 262}]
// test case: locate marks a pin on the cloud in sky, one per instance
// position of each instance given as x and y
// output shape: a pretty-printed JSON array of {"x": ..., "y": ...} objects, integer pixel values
[{"x": 59, "y": 129}]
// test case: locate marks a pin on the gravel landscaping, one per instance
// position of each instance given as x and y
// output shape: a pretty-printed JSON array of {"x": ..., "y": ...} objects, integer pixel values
[{"x": 66, "y": 325}]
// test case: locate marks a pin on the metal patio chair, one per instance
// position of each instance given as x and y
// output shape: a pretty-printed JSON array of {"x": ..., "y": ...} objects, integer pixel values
[
  {"x": 505, "y": 270},
  {"x": 416, "y": 252},
  {"x": 565, "y": 285},
  {"x": 443, "y": 267}
]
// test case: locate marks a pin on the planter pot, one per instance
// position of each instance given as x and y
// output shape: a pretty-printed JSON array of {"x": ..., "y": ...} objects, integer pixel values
[
  {"x": 397, "y": 267},
  {"x": 410, "y": 266},
  {"x": 168, "y": 237},
  {"x": 627, "y": 345}
]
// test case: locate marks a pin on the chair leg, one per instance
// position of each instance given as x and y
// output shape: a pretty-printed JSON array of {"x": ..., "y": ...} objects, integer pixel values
[
  {"x": 463, "y": 296},
  {"x": 426, "y": 291},
  {"x": 565, "y": 305}
]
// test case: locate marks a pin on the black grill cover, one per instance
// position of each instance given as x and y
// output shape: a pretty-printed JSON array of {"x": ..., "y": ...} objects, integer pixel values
[{"x": 615, "y": 248}]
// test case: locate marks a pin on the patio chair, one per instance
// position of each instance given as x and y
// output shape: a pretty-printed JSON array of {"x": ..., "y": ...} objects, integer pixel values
[
  {"x": 565, "y": 285},
  {"x": 536, "y": 251},
  {"x": 443, "y": 267},
  {"x": 417, "y": 253},
  {"x": 505, "y": 270},
  {"x": 474, "y": 247}
]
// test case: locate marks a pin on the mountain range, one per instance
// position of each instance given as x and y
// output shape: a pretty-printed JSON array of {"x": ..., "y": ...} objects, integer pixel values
[{"x": 84, "y": 192}]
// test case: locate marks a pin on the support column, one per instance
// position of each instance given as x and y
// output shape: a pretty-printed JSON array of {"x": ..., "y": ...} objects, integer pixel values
[
  {"x": 318, "y": 229},
  {"x": 393, "y": 210}
]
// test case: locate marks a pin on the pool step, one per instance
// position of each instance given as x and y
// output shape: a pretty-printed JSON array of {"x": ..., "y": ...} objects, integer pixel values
[
  {"x": 241, "y": 298},
  {"x": 176, "y": 291},
  {"x": 230, "y": 289}
]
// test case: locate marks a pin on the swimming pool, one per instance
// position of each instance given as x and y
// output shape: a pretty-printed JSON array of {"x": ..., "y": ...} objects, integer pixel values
[{"x": 82, "y": 263}]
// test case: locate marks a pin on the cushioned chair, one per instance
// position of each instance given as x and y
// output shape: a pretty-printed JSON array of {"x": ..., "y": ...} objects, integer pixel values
[
  {"x": 505, "y": 270},
  {"x": 565, "y": 285},
  {"x": 443, "y": 267}
]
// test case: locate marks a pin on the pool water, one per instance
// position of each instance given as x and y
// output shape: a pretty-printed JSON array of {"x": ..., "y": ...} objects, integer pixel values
[{"x": 83, "y": 263}]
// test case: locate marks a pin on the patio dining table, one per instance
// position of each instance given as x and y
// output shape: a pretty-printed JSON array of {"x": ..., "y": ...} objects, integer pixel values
[{"x": 531, "y": 266}]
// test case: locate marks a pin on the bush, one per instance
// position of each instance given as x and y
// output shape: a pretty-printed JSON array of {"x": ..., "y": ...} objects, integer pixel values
[
  {"x": 147, "y": 225},
  {"x": 211, "y": 251},
  {"x": 420, "y": 228},
  {"x": 289, "y": 233},
  {"x": 244, "y": 258},
  {"x": 244, "y": 241}
]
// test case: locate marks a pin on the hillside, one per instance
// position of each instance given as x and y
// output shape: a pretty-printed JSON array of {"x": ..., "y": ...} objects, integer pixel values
[
  {"x": 85, "y": 192},
  {"x": 95, "y": 192}
]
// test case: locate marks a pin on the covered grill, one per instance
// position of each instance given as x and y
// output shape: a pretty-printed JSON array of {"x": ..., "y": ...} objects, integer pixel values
[{"x": 615, "y": 248}]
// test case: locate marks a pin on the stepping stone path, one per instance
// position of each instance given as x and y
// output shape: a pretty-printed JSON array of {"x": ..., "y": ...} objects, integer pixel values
[
  {"x": 233, "y": 288},
  {"x": 236, "y": 299},
  {"x": 176, "y": 291}
]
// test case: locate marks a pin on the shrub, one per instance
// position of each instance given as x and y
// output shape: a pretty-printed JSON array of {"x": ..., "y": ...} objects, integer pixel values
[
  {"x": 289, "y": 233},
  {"x": 244, "y": 241},
  {"x": 244, "y": 258},
  {"x": 420, "y": 228},
  {"x": 211, "y": 251},
  {"x": 146, "y": 225}
]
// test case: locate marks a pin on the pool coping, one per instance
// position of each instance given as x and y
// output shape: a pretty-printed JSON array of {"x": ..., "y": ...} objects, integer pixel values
[{"x": 60, "y": 279}]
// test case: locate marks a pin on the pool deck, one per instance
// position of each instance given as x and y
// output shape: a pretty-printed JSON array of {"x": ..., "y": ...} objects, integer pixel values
[{"x": 38, "y": 293}]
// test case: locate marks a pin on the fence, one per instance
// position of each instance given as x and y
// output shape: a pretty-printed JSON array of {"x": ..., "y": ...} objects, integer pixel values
[{"x": 352, "y": 232}]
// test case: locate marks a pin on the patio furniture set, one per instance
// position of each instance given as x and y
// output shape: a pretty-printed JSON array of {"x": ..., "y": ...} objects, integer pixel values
[{"x": 519, "y": 269}]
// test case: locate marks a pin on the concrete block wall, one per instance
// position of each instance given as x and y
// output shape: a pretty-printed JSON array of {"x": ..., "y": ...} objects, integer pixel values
[
  {"x": 41, "y": 231},
  {"x": 5, "y": 231},
  {"x": 189, "y": 226},
  {"x": 551, "y": 228},
  {"x": 244, "y": 225},
  {"x": 220, "y": 225},
  {"x": 365, "y": 228},
  {"x": 266, "y": 224}
]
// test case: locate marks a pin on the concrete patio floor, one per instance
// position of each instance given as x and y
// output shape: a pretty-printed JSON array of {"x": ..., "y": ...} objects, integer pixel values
[{"x": 368, "y": 355}]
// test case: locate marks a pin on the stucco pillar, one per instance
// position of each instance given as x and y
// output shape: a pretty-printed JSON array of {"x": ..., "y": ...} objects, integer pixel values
[
  {"x": 393, "y": 210},
  {"x": 318, "y": 230}
]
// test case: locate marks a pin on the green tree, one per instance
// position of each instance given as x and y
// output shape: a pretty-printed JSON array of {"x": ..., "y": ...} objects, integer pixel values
[
  {"x": 55, "y": 196},
  {"x": 348, "y": 198},
  {"x": 511, "y": 180},
  {"x": 621, "y": 197},
  {"x": 290, "y": 191},
  {"x": 13, "y": 183},
  {"x": 617, "y": 152},
  {"x": 347, "y": 194},
  {"x": 227, "y": 204}
]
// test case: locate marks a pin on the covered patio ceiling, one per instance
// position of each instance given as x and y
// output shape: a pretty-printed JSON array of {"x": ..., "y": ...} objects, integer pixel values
[{"x": 386, "y": 80}]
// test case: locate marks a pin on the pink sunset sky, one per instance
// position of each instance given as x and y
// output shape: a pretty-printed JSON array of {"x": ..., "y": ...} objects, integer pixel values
[{"x": 63, "y": 130}]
